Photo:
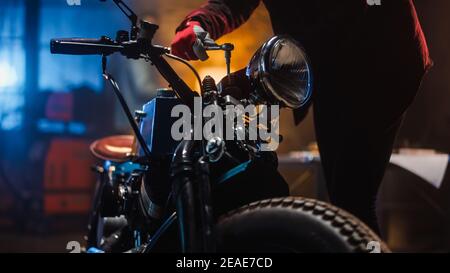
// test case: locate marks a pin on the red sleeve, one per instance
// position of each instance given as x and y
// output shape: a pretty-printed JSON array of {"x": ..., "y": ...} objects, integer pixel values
[
  {"x": 421, "y": 41},
  {"x": 220, "y": 17}
]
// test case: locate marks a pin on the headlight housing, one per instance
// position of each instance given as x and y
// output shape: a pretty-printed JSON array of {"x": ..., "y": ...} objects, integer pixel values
[{"x": 280, "y": 73}]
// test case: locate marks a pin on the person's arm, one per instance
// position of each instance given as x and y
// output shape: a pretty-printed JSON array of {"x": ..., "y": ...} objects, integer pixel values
[
  {"x": 219, "y": 17},
  {"x": 216, "y": 17}
]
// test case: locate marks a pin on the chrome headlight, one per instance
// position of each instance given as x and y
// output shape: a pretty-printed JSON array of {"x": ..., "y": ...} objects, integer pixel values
[{"x": 280, "y": 73}]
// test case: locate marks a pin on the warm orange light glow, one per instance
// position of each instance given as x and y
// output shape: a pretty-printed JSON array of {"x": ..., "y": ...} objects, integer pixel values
[{"x": 245, "y": 39}]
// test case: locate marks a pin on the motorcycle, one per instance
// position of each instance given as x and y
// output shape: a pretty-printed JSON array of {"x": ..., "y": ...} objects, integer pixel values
[{"x": 206, "y": 194}]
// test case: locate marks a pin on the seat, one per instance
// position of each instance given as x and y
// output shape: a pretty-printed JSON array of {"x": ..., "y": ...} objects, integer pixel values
[{"x": 113, "y": 148}]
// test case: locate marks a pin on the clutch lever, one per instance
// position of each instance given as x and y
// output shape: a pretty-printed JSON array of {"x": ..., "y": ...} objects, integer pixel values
[{"x": 227, "y": 48}]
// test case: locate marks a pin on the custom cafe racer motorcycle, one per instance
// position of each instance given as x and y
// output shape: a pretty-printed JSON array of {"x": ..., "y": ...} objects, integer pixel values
[{"x": 158, "y": 194}]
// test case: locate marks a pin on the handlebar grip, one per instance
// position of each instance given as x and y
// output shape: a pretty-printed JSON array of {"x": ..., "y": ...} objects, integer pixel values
[{"x": 81, "y": 46}]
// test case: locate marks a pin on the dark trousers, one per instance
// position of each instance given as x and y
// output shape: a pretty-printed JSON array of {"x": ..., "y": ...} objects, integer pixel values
[{"x": 357, "y": 113}]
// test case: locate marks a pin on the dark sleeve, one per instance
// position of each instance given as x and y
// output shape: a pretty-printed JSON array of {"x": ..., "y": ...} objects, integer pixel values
[{"x": 220, "y": 17}]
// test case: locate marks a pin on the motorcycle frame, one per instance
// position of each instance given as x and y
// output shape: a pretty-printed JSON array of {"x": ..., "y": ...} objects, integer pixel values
[{"x": 191, "y": 188}]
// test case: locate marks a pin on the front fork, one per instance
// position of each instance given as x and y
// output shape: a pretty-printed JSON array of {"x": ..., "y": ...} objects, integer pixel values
[
  {"x": 191, "y": 193},
  {"x": 191, "y": 185}
]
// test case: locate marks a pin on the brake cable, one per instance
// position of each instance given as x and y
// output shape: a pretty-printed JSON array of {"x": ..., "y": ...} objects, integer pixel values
[
  {"x": 126, "y": 109},
  {"x": 183, "y": 61}
]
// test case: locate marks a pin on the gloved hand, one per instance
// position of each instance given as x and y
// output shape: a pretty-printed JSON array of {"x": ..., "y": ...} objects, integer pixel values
[{"x": 189, "y": 43}]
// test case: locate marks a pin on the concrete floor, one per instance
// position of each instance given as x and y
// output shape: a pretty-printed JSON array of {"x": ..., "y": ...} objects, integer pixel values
[{"x": 34, "y": 243}]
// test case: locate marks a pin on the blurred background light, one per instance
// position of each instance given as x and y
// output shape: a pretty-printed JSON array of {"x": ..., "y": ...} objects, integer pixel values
[
  {"x": 8, "y": 75},
  {"x": 12, "y": 64}
]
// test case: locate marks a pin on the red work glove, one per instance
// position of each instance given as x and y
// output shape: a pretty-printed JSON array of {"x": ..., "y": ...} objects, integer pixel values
[{"x": 189, "y": 42}]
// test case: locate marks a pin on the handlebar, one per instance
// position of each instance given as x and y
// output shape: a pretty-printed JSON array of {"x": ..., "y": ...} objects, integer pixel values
[
  {"x": 132, "y": 49},
  {"x": 81, "y": 46},
  {"x": 104, "y": 46}
]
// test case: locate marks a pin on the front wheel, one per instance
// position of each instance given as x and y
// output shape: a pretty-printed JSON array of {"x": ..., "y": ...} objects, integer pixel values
[{"x": 296, "y": 225}]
